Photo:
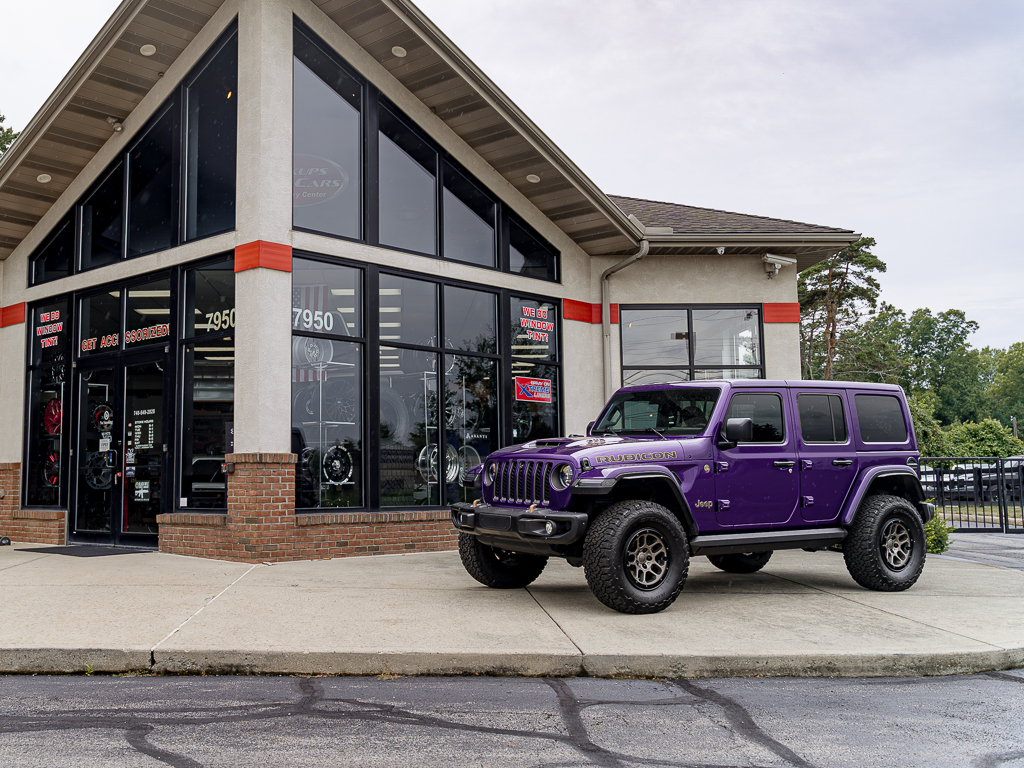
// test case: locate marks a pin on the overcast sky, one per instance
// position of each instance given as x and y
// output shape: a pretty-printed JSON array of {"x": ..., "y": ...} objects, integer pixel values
[{"x": 899, "y": 120}]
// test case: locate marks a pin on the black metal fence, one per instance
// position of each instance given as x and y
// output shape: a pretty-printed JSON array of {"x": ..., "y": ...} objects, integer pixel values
[{"x": 976, "y": 494}]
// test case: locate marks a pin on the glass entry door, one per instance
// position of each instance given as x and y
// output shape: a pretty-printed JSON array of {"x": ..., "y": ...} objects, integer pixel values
[{"x": 119, "y": 458}]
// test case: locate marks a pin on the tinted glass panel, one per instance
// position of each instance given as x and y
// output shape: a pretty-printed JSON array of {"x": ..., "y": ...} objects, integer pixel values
[
  {"x": 821, "y": 418},
  {"x": 326, "y": 298},
  {"x": 327, "y": 167},
  {"x": 143, "y": 447},
  {"x": 99, "y": 323},
  {"x": 152, "y": 210},
  {"x": 46, "y": 425},
  {"x": 766, "y": 412},
  {"x": 470, "y": 320},
  {"x": 212, "y": 100},
  {"x": 534, "y": 401},
  {"x": 51, "y": 327},
  {"x": 408, "y": 198},
  {"x": 148, "y": 315},
  {"x": 468, "y": 221},
  {"x": 412, "y": 463},
  {"x": 327, "y": 407},
  {"x": 726, "y": 337},
  {"x": 408, "y": 311},
  {"x": 99, "y": 419},
  {"x": 54, "y": 258},
  {"x": 528, "y": 256},
  {"x": 101, "y": 221},
  {"x": 631, "y": 378},
  {"x": 534, "y": 329},
  {"x": 655, "y": 337},
  {"x": 210, "y": 298},
  {"x": 881, "y": 419},
  {"x": 471, "y": 418},
  {"x": 207, "y": 433},
  {"x": 670, "y": 412}
]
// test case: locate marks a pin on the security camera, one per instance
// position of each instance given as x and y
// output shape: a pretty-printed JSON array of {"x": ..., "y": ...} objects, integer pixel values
[
  {"x": 721, "y": 250},
  {"x": 773, "y": 263}
]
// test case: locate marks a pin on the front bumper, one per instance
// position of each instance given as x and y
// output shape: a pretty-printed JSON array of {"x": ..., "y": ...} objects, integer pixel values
[{"x": 515, "y": 524}]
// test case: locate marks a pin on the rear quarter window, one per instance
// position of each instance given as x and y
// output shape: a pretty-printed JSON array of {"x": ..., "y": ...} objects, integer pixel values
[{"x": 880, "y": 418}]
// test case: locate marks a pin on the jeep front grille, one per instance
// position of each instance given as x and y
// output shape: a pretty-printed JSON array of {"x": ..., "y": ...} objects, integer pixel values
[{"x": 523, "y": 482}]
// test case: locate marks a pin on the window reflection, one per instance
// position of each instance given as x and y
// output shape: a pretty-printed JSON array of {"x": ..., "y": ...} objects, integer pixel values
[
  {"x": 408, "y": 312},
  {"x": 210, "y": 298},
  {"x": 470, "y": 319},
  {"x": 53, "y": 259},
  {"x": 726, "y": 337},
  {"x": 208, "y": 376},
  {"x": 153, "y": 199},
  {"x": 100, "y": 323},
  {"x": 534, "y": 402},
  {"x": 528, "y": 256},
  {"x": 408, "y": 199},
  {"x": 655, "y": 337},
  {"x": 101, "y": 221},
  {"x": 468, "y": 220},
  {"x": 413, "y": 462},
  {"x": 148, "y": 313},
  {"x": 471, "y": 418}
]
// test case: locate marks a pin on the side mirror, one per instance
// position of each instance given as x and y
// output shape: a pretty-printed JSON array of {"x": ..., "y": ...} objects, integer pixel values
[
  {"x": 736, "y": 431},
  {"x": 590, "y": 426}
]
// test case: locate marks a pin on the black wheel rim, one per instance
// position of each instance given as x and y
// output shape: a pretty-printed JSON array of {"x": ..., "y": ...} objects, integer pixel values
[
  {"x": 897, "y": 545},
  {"x": 647, "y": 559}
]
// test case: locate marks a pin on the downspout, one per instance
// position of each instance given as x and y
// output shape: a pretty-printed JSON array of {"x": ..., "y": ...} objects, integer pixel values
[{"x": 606, "y": 311}]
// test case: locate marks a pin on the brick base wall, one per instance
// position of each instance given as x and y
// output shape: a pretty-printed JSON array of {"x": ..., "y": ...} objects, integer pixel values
[
  {"x": 26, "y": 526},
  {"x": 261, "y": 524}
]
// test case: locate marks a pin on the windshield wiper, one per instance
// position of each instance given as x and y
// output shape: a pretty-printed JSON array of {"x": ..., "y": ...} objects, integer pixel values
[{"x": 652, "y": 429}]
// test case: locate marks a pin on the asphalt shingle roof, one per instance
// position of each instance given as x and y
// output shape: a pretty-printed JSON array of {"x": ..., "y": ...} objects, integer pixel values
[{"x": 687, "y": 220}]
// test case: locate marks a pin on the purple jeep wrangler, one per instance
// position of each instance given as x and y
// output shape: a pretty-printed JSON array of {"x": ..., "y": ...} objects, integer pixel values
[{"x": 729, "y": 469}]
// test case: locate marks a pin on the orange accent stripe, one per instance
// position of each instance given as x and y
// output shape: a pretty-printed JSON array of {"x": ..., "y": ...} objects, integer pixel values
[
  {"x": 782, "y": 313},
  {"x": 262, "y": 253},
  {"x": 12, "y": 315},
  {"x": 585, "y": 312}
]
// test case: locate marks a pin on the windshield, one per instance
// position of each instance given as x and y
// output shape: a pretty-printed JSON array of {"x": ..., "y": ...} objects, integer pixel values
[{"x": 662, "y": 411}]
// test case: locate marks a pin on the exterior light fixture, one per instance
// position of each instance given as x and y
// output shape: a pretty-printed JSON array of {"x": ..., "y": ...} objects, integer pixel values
[
  {"x": 533, "y": 178},
  {"x": 115, "y": 124},
  {"x": 147, "y": 50},
  {"x": 399, "y": 51},
  {"x": 44, "y": 178}
]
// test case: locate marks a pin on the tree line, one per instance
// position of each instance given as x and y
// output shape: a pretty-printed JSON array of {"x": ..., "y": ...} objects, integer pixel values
[{"x": 963, "y": 399}]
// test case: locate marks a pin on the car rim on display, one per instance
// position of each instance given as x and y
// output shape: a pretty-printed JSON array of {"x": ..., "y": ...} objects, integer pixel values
[
  {"x": 897, "y": 545},
  {"x": 337, "y": 465},
  {"x": 51, "y": 469},
  {"x": 469, "y": 457},
  {"x": 51, "y": 416},
  {"x": 428, "y": 459},
  {"x": 646, "y": 558},
  {"x": 98, "y": 475}
]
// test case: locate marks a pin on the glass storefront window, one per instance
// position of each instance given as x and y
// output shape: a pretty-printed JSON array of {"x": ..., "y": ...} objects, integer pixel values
[
  {"x": 471, "y": 419},
  {"x": 53, "y": 259},
  {"x": 209, "y": 299},
  {"x": 326, "y": 298},
  {"x": 211, "y": 103},
  {"x": 153, "y": 188},
  {"x": 469, "y": 217},
  {"x": 148, "y": 313},
  {"x": 207, "y": 421},
  {"x": 528, "y": 256},
  {"x": 727, "y": 336},
  {"x": 101, "y": 221},
  {"x": 534, "y": 329},
  {"x": 327, "y": 424},
  {"x": 47, "y": 403},
  {"x": 470, "y": 320},
  {"x": 411, "y": 463},
  {"x": 327, "y": 167},
  {"x": 99, "y": 323},
  {"x": 671, "y": 343},
  {"x": 408, "y": 188},
  {"x": 407, "y": 312},
  {"x": 535, "y": 401}
]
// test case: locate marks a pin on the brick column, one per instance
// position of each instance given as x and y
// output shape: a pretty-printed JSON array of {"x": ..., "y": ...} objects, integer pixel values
[
  {"x": 26, "y": 526},
  {"x": 261, "y": 503}
]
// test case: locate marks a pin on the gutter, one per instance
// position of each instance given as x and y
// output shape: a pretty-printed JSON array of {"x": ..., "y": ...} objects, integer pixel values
[{"x": 606, "y": 311}]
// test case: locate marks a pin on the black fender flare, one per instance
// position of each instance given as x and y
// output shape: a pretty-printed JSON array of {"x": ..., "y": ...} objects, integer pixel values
[
  {"x": 904, "y": 476},
  {"x": 660, "y": 475}
]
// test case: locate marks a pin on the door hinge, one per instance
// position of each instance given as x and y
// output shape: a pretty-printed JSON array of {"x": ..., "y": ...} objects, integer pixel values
[
  {"x": 723, "y": 504},
  {"x": 808, "y": 501},
  {"x": 806, "y": 464},
  {"x": 721, "y": 466},
  {"x": 165, "y": 447}
]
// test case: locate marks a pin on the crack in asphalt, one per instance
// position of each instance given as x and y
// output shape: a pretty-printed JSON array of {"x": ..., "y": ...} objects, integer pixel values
[{"x": 138, "y": 725}]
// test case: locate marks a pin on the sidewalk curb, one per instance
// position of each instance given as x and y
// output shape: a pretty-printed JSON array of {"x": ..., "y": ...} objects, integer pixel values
[{"x": 227, "y": 662}]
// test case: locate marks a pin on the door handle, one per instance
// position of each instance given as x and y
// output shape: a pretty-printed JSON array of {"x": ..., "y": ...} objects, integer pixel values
[
  {"x": 784, "y": 464},
  {"x": 842, "y": 462}
]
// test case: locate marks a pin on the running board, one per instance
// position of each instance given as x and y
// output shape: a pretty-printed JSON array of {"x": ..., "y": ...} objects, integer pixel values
[{"x": 766, "y": 541}]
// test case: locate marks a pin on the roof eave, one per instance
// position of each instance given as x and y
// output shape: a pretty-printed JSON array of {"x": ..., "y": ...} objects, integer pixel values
[{"x": 777, "y": 239}]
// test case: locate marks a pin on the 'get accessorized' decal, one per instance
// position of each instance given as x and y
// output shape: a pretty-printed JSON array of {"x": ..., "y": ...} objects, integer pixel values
[{"x": 636, "y": 457}]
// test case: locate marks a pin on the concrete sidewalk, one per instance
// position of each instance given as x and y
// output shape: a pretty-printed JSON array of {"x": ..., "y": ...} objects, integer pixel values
[{"x": 67, "y": 609}]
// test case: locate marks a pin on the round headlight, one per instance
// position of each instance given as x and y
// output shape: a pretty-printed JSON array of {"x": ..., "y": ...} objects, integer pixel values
[
  {"x": 561, "y": 478},
  {"x": 490, "y": 472}
]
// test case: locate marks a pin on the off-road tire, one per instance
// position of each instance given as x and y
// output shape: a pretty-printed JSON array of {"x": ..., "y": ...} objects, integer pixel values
[
  {"x": 497, "y": 568},
  {"x": 885, "y": 547},
  {"x": 746, "y": 562},
  {"x": 636, "y": 557}
]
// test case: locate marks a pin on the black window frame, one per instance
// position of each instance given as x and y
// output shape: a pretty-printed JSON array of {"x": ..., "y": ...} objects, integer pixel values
[
  {"x": 691, "y": 367},
  {"x": 370, "y": 337},
  {"x": 176, "y": 103},
  {"x": 373, "y": 102}
]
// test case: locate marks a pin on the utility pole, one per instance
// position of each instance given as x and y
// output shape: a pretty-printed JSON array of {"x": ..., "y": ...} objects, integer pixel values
[{"x": 1013, "y": 421}]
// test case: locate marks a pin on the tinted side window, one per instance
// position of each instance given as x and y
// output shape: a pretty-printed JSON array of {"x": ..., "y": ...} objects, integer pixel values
[
  {"x": 821, "y": 418},
  {"x": 766, "y": 412},
  {"x": 881, "y": 419}
]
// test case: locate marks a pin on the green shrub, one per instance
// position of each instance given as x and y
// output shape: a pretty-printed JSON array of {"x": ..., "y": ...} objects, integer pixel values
[
  {"x": 937, "y": 535},
  {"x": 989, "y": 438}
]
